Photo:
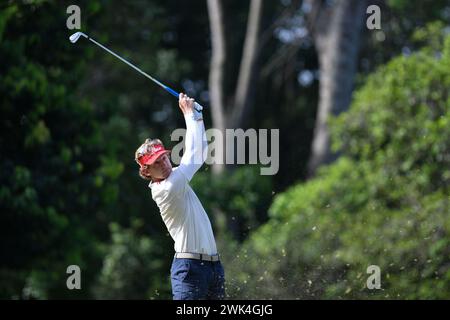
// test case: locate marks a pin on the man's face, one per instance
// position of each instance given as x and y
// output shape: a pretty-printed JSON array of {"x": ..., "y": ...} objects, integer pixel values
[{"x": 160, "y": 169}]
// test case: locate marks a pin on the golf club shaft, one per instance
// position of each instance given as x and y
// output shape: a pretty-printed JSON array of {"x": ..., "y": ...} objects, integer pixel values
[{"x": 171, "y": 91}]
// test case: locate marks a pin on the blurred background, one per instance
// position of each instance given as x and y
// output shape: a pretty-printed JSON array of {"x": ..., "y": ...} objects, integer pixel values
[{"x": 364, "y": 145}]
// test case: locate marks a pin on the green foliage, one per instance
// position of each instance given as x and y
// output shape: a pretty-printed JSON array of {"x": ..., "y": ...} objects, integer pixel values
[
  {"x": 385, "y": 202},
  {"x": 129, "y": 266},
  {"x": 51, "y": 216},
  {"x": 399, "y": 122},
  {"x": 431, "y": 35},
  {"x": 67, "y": 142}
]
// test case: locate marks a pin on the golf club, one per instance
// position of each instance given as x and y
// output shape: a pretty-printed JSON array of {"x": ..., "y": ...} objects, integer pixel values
[{"x": 74, "y": 38}]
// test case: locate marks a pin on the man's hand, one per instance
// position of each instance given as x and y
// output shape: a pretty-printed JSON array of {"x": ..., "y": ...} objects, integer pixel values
[{"x": 186, "y": 104}]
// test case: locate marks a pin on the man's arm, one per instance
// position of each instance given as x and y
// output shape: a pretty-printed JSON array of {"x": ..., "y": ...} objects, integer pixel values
[{"x": 196, "y": 144}]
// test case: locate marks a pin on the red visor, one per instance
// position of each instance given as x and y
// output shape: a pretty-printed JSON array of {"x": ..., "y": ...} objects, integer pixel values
[{"x": 149, "y": 158}]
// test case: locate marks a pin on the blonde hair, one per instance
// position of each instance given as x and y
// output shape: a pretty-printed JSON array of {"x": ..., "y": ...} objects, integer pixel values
[{"x": 144, "y": 148}]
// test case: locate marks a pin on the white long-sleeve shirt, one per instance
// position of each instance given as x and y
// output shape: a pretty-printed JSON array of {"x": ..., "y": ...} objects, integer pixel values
[{"x": 181, "y": 210}]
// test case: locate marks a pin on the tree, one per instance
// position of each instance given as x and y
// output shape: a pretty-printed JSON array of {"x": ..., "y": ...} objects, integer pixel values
[
  {"x": 54, "y": 158},
  {"x": 384, "y": 202},
  {"x": 234, "y": 116},
  {"x": 336, "y": 29},
  {"x": 68, "y": 140}
]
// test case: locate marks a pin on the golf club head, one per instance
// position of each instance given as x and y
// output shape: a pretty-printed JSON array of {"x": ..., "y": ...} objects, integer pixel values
[{"x": 74, "y": 38}]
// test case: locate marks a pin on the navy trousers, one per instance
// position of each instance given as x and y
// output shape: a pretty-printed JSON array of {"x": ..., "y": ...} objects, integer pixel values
[{"x": 197, "y": 280}]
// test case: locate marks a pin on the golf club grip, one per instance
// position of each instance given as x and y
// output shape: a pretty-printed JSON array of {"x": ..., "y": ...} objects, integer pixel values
[
  {"x": 172, "y": 92},
  {"x": 197, "y": 106}
]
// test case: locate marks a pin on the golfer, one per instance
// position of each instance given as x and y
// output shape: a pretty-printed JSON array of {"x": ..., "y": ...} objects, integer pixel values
[{"x": 196, "y": 272}]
